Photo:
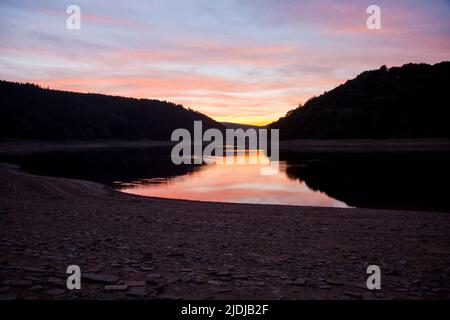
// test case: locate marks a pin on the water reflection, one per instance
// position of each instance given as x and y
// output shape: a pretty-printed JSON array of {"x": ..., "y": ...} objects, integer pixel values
[
  {"x": 238, "y": 180},
  {"x": 395, "y": 181},
  {"x": 113, "y": 167},
  {"x": 408, "y": 181}
]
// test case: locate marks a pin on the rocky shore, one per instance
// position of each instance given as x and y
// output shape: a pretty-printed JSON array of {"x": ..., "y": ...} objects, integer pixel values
[{"x": 129, "y": 247}]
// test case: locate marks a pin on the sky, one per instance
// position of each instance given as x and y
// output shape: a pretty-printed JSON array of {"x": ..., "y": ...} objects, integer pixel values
[{"x": 245, "y": 61}]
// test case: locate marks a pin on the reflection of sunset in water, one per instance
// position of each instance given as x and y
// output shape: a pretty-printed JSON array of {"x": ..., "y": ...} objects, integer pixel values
[{"x": 238, "y": 182}]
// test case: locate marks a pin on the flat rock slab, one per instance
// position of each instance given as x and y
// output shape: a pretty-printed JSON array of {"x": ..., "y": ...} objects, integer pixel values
[
  {"x": 137, "y": 292},
  {"x": 8, "y": 296},
  {"x": 135, "y": 283},
  {"x": 56, "y": 292},
  {"x": 120, "y": 287},
  {"x": 300, "y": 282},
  {"x": 100, "y": 278}
]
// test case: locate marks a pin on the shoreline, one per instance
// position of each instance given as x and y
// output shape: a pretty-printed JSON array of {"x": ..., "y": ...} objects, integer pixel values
[
  {"x": 24, "y": 147},
  {"x": 151, "y": 248},
  {"x": 366, "y": 145}
]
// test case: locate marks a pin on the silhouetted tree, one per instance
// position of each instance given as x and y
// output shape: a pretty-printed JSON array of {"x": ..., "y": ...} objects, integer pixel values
[
  {"x": 28, "y": 111},
  {"x": 411, "y": 101}
]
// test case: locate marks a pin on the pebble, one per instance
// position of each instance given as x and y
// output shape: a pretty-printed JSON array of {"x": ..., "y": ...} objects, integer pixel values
[
  {"x": 7, "y": 296},
  {"x": 147, "y": 268},
  {"x": 135, "y": 283},
  {"x": 334, "y": 283},
  {"x": 224, "y": 290},
  {"x": 21, "y": 283},
  {"x": 119, "y": 287},
  {"x": 300, "y": 281},
  {"x": 4, "y": 289},
  {"x": 56, "y": 281},
  {"x": 137, "y": 291},
  {"x": 37, "y": 288},
  {"x": 353, "y": 295},
  {"x": 56, "y": 292},
  {"x": 324, "y": 287},
  {"x": 101, "y": 278}
]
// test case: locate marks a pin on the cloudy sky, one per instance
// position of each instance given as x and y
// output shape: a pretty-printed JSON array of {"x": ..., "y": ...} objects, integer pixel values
[{"x": 247, "y": 61}]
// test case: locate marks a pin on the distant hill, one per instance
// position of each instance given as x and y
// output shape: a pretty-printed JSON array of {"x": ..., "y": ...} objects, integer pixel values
[
  {"x": 28, "y": 111},
  {"x": 231, "y": 125},
  {"x": 412, "y": 101}
]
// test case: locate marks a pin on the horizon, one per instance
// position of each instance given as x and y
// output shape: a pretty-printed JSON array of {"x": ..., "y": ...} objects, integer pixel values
[
  {"x": 193, "y": 108},
  {"x": 238, "y": 62}
]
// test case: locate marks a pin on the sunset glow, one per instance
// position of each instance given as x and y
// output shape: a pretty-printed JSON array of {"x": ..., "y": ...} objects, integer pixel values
[
  {"x": 223, "y": 182},
  {"x": 236, "y": 61}
]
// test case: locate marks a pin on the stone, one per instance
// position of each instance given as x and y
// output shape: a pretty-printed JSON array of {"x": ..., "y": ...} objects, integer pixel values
[
  {"x": 334, "y": 283},
  {"x": 37, "y": 288},
  {"x": 353, "y": 295},
  {"x": 56, "y": 292},
  {"x": 135, "y": 283},
  {"x": 56, "y": 281},
  {"x": 21, "y": 283},
  {"x": 137, "y": 291},
  {"x": 100, "y": 278},
  {"x": 143, "y": 268},
  {"x": 324, "y": 287},
  {"x": 8, "y": 296},
  {"x": 4, "y": 289},
  {"x": 120, "y": 287},
  {"x": 153, "y": 279},
  {"x": 300, "y": 282},
  {"x": 223, "y": 290},
  {"x": 160, "y": 289}
]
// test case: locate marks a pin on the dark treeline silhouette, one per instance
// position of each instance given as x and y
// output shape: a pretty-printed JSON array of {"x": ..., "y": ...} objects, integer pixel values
[
  {"x": 28, "y": 111},
  {"x": 412, "y": 101}
]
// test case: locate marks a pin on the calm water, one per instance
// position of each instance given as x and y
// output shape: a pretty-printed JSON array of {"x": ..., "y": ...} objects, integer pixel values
[
  {"x": 406, "y": 181},
  {"x": 239, "y": 181}
]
